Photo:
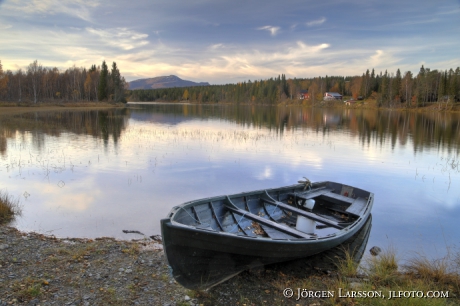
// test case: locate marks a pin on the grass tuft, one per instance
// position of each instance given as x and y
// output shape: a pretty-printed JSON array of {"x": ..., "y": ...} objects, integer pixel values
[
  {"x": 9, "y": 208},
  {"x": 347, "y": 266},
  {"x": 439, "y": 271},
  {"x": 383, "y": 269}
]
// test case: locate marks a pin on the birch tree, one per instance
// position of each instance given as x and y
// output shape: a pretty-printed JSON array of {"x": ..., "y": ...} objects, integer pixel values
[{"x": 34, "y": 73}]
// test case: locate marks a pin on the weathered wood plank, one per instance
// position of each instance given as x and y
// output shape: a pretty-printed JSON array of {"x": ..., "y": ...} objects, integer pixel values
[
  {"x": 304, "y": 213},
  {"x": 358, "y": 206},
  {"x": 311, "y": 194},
  {"x": 282, "y": 228}
]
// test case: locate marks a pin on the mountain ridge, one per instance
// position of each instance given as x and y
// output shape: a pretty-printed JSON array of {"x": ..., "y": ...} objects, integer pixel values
[{"x": 163, "y": 82}]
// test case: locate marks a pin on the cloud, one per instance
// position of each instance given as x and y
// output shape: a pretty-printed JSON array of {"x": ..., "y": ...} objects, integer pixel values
[
  {"x": 216, "y": 46},
  {"x": 76, "y": 8},
  {"x": 272, "y": 30},
  {"x": 122, "y": 38},
  {"x": 316, "y": 22},
  {"x": 5, "y": 26}
]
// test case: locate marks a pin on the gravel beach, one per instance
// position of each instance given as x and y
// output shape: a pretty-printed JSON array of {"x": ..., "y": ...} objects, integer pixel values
[{"x": 43, "y": 270}]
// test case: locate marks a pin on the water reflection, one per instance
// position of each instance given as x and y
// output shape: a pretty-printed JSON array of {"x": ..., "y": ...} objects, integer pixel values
[
  {"x": 96, "y": 173},
  {"x": 426, "y": 130},
  {"x": 103, "y": 124}
]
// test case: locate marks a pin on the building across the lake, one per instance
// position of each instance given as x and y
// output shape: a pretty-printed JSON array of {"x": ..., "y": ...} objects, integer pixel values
[
  {"x": 332, "y": 96},
  {"x": 303, "y": 94}
]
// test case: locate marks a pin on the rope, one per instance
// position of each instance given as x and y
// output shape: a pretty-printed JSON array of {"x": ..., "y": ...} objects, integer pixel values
[
  {"x": 307, "y": 184},
  {"x": 190, "y": 215},
  {"x": 237, "y": 223}
]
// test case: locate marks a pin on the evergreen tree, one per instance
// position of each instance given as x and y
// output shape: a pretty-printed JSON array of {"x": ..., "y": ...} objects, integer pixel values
[
  {"x": 102, "y": 88},
  {"x": 396, "y": 90},
  {"x": 117, "y": 84},
  {"x": 421, "y": 86},
  {"x": 383, "y": 90},
  {"x": 373, "y": 81}
]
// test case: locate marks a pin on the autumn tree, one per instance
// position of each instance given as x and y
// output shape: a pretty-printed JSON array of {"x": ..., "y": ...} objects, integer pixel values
[
  {"x": 313, "y": 91},
  {"x": 3, "y": 81},
  {"x": 185, "y": 95},
  {"x": 406, "y": 88},
  {"x": 355, "y": 86}
]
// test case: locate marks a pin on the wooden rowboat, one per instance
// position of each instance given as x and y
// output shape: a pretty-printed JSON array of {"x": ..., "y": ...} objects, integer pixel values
[{"x": 207, "y": 241}]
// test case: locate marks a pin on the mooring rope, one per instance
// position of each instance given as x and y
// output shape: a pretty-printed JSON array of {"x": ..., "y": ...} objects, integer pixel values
[{"x": 307, "y": 184}]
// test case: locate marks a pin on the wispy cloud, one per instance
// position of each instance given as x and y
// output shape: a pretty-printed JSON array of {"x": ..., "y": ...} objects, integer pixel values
[
  {"x": 209, "y": 41},
  {"x": 4, "y": 26},
  {"x": 77, "y": 8},
  {"x": 316, "y": 22},
  {"x": 216, "y": 46},
  {"x": 273, "y": 30},
  {"x": 122, "y": 38}
]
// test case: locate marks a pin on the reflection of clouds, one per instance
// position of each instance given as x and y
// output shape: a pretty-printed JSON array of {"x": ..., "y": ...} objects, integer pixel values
[
  {"x": 266, "y": 174},
  {"x": 73, "y": 198},
  {"x": 165, "y": 164}
]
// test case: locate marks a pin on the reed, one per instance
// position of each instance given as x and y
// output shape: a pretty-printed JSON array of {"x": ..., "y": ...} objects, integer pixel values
[
  {"x": 441, "y": 271},
  {"x": 347, "y": 266},
  {"x": 9, "y": 207},
  {"x": 383, "y": 269}
]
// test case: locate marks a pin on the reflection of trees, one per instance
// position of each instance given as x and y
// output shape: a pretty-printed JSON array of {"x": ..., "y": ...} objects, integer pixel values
[
  {"x": 425, "y": 129},
  {"x": 97, "y": 123}
]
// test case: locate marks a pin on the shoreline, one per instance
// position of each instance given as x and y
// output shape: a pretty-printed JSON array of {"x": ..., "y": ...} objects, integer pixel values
[
  {"x": 18, "y": 107},
  {"x": 37, "y": 269},
  {"x": 13, "y": 107}
]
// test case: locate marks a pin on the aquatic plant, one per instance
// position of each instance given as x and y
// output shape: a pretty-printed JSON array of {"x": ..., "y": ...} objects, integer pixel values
[{"x": 8, "y": 207}]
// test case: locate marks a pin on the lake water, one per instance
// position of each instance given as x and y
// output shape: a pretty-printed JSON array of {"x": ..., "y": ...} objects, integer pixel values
[{"x": 96, "y": 173}]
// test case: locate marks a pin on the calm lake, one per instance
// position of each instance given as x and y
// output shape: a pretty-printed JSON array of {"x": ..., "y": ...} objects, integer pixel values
[{"x": 96, "y": 173}]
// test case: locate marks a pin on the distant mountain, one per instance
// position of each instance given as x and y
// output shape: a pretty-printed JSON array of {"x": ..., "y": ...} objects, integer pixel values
[{"x": 163, "y": 82}]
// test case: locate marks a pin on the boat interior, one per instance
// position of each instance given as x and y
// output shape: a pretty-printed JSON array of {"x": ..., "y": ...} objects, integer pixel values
[{"x": 284, "y": 213}]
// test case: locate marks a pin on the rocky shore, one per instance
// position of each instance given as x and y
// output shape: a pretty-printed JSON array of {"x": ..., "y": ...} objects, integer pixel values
[{"x": 43, "y": 270}]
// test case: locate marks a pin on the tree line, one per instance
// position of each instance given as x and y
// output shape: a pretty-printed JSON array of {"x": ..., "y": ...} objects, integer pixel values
[
  {"x": 388, "y": 89},
  {"x": 38, "y": 84}
]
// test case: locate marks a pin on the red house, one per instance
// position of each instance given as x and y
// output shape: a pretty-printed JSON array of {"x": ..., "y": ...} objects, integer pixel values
[{"x": 304, "y": 95}]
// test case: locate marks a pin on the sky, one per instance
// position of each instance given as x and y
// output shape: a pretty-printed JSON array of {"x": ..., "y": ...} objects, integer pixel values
[{"x": 228, "y": 41}]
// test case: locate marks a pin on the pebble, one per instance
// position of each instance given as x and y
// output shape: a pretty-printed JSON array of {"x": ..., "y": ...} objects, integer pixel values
[
  {"x": 52, "y": 260},
  {"x": 375, "y": 250},
  {"x": 355, "y": 285},
  {"x": 186, "y": 298}
]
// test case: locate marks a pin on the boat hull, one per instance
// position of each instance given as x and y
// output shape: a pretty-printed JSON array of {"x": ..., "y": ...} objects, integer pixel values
[
  {"x": 205, "y": 266},
  {"x": 204, "y": 257}
]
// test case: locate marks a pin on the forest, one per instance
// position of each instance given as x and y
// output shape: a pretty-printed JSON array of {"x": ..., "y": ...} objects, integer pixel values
[
  {"x": 42, "y": 84},
  {"x": 388, "y": 89}
]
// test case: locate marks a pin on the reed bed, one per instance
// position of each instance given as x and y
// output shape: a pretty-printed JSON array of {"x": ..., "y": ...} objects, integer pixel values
[{"x": 9, "y": 207}]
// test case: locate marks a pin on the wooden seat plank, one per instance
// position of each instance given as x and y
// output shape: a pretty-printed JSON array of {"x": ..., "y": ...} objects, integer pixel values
[
  {"x": 304, "y": 213},
  {"x": 282, "y": 228}
]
